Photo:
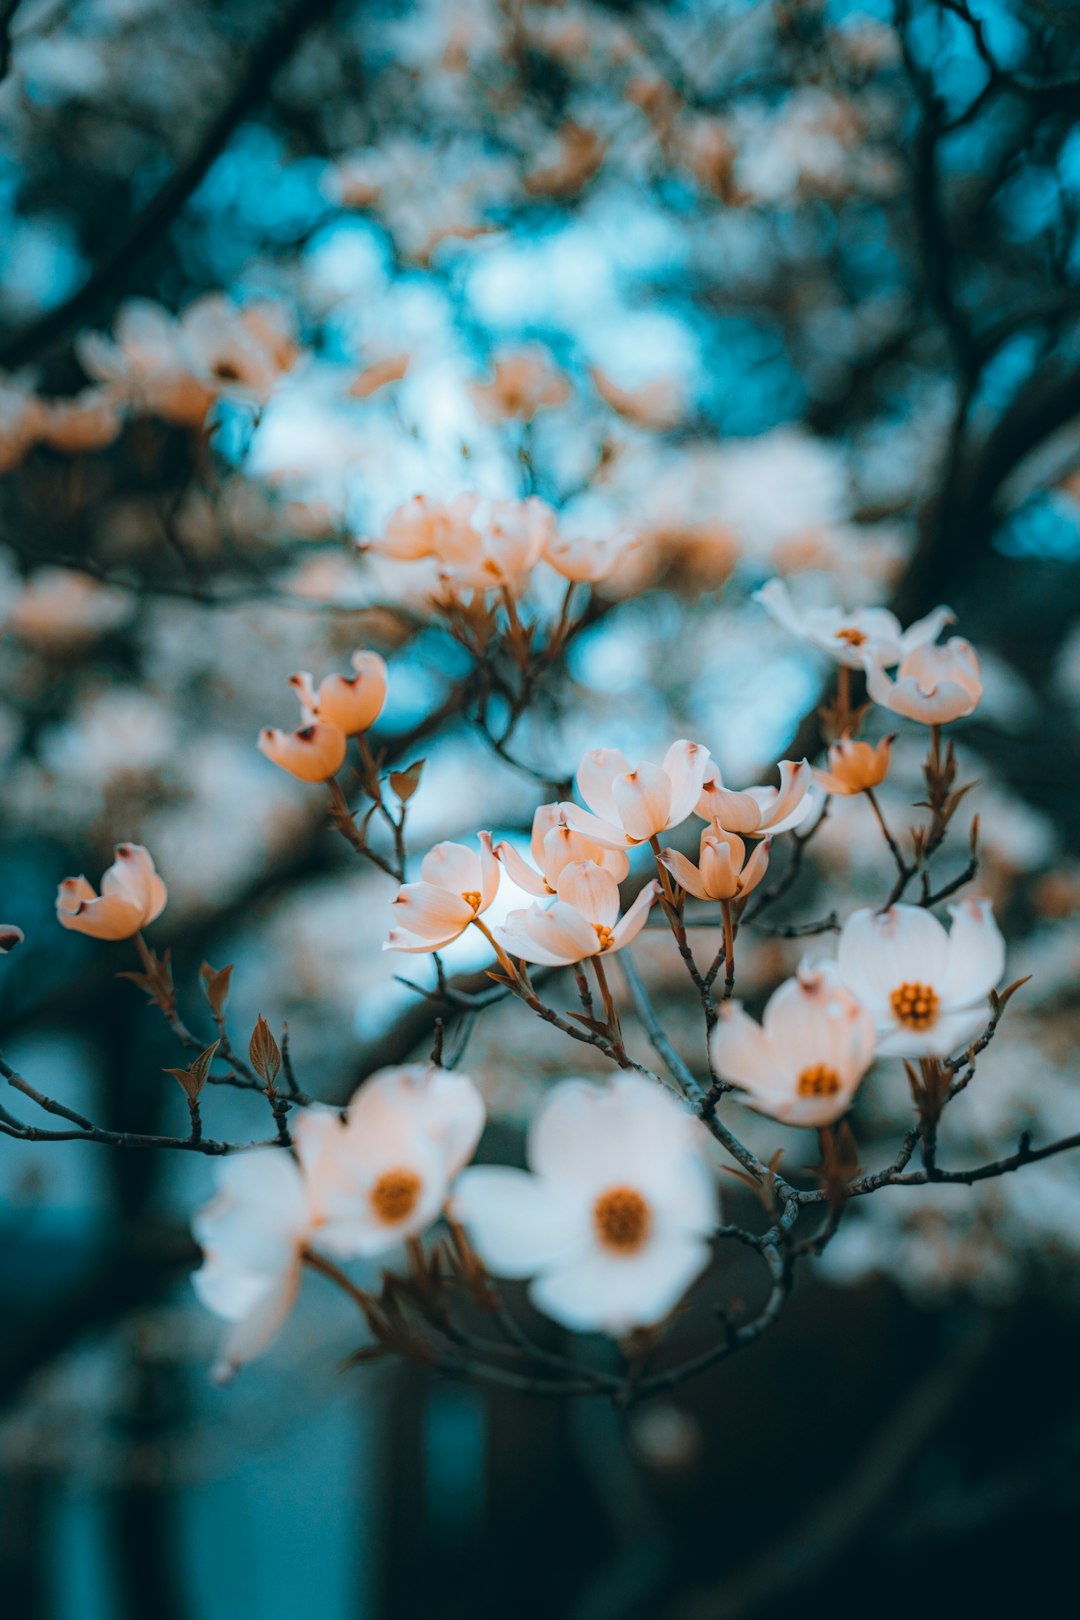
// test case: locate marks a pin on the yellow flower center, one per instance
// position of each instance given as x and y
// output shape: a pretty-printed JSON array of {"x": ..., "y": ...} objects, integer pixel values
[
  {"x": 472, "y": 897},
  {"x": 818, "y": 1081},
  {"x": 853, "y": 637},
  {"x": 604, "y": 935},
  {"x": 622, "y": 1219},
  {"x": 914, "y": 1004},
  {"x": 395, "y": 1195}
]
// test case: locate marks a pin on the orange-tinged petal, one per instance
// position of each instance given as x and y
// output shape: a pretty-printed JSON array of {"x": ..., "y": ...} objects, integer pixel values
[
  {"x": 590, "y": 890},
  {"x": 354, "y": 703},
  {"x": 431, "y": 912},
  {"x": 685, "y": 873},
  {"x": 110, "y": 916},
  {"x": 313, "y": 754},
  {"x": 643, "y": 800}
]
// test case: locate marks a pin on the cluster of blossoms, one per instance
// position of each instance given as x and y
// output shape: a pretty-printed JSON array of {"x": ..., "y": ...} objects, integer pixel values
[
  {"x": 361, "y": 1182},
  {"x": 174, "y": 368},
  {"x": 933, "y": 684},
  {"x": 613, "y": 1219},
  {"x": 580, "y": 857},
  {"x": 476, "y": 545}
]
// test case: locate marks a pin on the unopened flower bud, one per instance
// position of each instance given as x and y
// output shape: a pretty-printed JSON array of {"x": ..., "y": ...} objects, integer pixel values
[{"x": 856, "y": 766}]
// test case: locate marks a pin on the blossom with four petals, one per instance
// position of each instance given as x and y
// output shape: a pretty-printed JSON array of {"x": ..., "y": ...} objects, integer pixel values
[
  {"x": 382, "y": 1173},
  {"x": 132, "y": 895},
  {"x": 555, "y": 844},
  {"x": 803, "y": 1063},
  {"x": 758, "y": 810},
  {"x": 925, "y": 988},
  {"x": 583, "y": 921},
  {"x": 612, "y": 1220},
  {"x": 353, "y": 702},
  {"x": 644, "y": 799},
  {"x": 722, "y": 872},
  {"x": 456, "y": 886},
  {"x": 933, "y": 684},
  {"x": 850, "y": 637}
]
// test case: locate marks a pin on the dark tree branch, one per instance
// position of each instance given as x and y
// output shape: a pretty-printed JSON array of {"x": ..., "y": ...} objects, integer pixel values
[{"x": 264, "y": 62}]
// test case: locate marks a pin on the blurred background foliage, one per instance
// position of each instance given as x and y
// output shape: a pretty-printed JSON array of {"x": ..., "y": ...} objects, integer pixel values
[{"x": 779, "y": 287}]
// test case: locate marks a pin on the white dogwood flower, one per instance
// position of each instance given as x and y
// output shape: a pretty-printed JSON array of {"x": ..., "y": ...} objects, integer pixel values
[
  {"x": 925, "y": 988},
  {"x": 356, "y": 1187},
  {"x": 758, "y": 810},
  {"x": 613, "y": 1217},
  {"x": 803, "y": 1063},
  {"x": 644, "y": 799},
  {"x": 555, "y": 845},
  {"x": 850, "y": 637},
  {"x": 933, "y": 684},
  {"x": 583, "y": 921},
  {"x": 456, "y": 886},
  {"x": 382, "y": 1174},
  {"x": 132, "y": 895}
]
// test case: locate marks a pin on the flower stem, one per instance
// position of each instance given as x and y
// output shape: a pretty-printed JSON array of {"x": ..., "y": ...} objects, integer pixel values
[
  {"x": 504, "y": 961},
  {"x": 729, "y": 949}
]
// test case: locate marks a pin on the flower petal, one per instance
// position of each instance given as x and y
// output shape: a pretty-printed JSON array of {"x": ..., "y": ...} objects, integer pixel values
[
  {"x": 554, "y": 937},
  {"x": 927, "y": 629},
  {"x": 110, "y": 916},
  {"x": 431, "y": 912},
  {"x": 614, "y": 1294},
  {"x": 685, "y": 873},
  {"x": 630, "y": 1131},
  {"x": 489, "y": 871},
  {"x": 742, "y": 1053},
  {"x": 312, "y": 754},
  {"x": 685, "y": 764},
  {"x": 253, "y": 1334},
  {"x": 355, "y": 702},
  {"x": 630, "y": 926},
  {"x": 643, "y": 801},
  {"x": 595, "y": 777},
  {"x": 520, "y": 1224},
  {"x": 443, "y": 1106},
  {"x": 521, "y": 873},
  {"x": 948, "y": 1034},
  {"x": 976, "y": 955},
  {"x": 591, "y": 890},
  {"x": 454, "y": 867},
  {"x": 878, "y": 952}
]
